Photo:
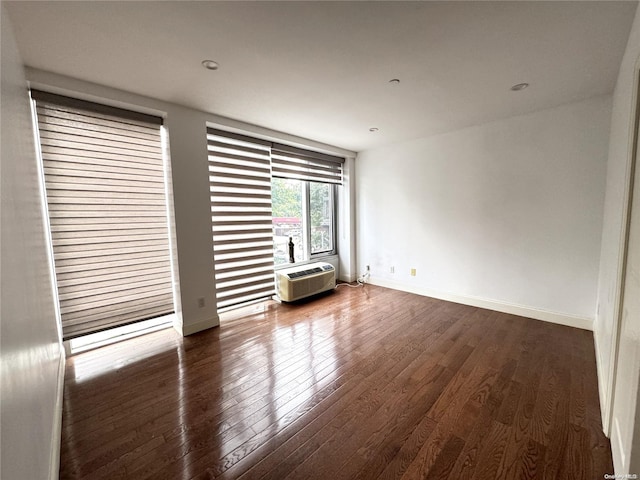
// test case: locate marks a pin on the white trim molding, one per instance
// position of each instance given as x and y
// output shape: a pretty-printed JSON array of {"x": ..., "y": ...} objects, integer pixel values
[
  {"x": 196, "y": 327},
  {"x": 56, "y": 433},
  {"x": 568, "y": 320},
  {"x": 602, "y": 387}
]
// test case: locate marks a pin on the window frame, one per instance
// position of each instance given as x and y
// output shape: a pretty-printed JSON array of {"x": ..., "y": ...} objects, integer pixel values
[{"x": 333, "y": 216}]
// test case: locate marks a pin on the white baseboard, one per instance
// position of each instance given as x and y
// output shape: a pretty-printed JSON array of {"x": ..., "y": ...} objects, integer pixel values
[
  {"x": 347, "y": 277},
  {"x": 583, "y": 323},
  {"x": 56, "y": 435},
  {"x": 196, "y": 327}
]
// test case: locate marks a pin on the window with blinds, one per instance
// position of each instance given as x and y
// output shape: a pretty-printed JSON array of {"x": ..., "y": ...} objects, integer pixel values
[
  {"x": 105, "y": 187},
  {"x": 240, "y": 185},
  {"x": 299, "y": 164},
  {"x": 311, "y": 178}
]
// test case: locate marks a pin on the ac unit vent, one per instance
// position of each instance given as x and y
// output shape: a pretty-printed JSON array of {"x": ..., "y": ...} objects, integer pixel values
[
  {"x": 303, "y": 281},
  {"x": 304, "y": 273}
]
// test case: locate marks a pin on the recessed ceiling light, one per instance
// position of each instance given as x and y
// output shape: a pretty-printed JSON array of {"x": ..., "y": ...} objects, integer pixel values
[
  {"x": 519, "y": 86},
  {"x": 373, "y": 129},
  {"x": 210, "y": 64},
  {"x": 394, "y": 81}
]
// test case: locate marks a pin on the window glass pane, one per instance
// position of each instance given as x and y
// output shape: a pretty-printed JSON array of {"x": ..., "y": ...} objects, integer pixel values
[
  {"x": 288, "y": 214},
  {"x": 321, "y": 216}
]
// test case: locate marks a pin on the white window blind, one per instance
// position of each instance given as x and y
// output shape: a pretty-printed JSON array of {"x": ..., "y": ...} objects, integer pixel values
[
  {"x": 299, "y": 164},
  {"x": 240, "y": 185},
  {"x": 105, "y": 187}
]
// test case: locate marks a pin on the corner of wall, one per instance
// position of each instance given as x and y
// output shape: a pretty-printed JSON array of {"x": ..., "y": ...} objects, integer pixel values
[
  {"x": 346, "y": 223},
  {"x": 195, "y": 327},
  {"x": 32, "y": 355}
]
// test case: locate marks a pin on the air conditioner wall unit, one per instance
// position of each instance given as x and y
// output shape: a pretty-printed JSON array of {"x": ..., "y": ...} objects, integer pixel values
[{"x": 302, "y": 281}]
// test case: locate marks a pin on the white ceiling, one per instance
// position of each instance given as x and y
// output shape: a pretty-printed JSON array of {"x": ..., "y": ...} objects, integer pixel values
[{"x": 320, "y": 70}]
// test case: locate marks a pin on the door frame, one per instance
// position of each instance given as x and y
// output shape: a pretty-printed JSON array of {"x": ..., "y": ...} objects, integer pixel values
[{"x": 632, "y": 162}]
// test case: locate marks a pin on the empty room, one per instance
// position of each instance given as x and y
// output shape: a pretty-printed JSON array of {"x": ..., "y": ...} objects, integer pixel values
[{"x": 307, "y": 239}]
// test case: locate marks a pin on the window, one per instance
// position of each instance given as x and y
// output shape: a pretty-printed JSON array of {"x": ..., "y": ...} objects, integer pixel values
[
  {"x": 303, "y": 191},
  {"x": 303, "y": 212},
  {"x": 105, "y": 186},
  {"x": 262, "y": 195},
  {"x": 321, "y": 218},
  {"x": 287, "y": 199}
]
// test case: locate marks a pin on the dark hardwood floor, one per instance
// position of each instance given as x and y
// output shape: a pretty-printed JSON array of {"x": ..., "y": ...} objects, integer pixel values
[{"x": 362, "y": 383}]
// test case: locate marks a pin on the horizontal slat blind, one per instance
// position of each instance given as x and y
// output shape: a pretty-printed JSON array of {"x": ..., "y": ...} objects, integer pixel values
[
  {"x": 104, "y": 179},
  {"x": 240, "y": 185},
  {"x": 298, "y": 164}
]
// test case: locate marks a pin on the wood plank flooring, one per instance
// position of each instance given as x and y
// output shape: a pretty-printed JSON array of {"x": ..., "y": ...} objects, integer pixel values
[{"x": 363, "y": 383}]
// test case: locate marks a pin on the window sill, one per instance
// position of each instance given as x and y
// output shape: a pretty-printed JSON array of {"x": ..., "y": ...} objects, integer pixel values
[{"x": 331, "y": 258}]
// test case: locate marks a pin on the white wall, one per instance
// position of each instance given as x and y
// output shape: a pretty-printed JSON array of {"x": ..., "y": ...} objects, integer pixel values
[
  {"x": 609, "y": 287},
  {"x": 189, "y": 170},
  {"x": 30, "y": 347},
  {"x": 506, "y": 215}
]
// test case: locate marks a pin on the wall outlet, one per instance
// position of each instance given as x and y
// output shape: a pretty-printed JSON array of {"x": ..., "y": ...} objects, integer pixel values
[
  {"x": 413, "y": 272},
  {"x": 201, "y": 302},
  {"x": 392, "y": 269}
]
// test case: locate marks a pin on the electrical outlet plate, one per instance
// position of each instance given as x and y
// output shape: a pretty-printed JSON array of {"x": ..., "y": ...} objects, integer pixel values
[{"x": 413, "y": 272}]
